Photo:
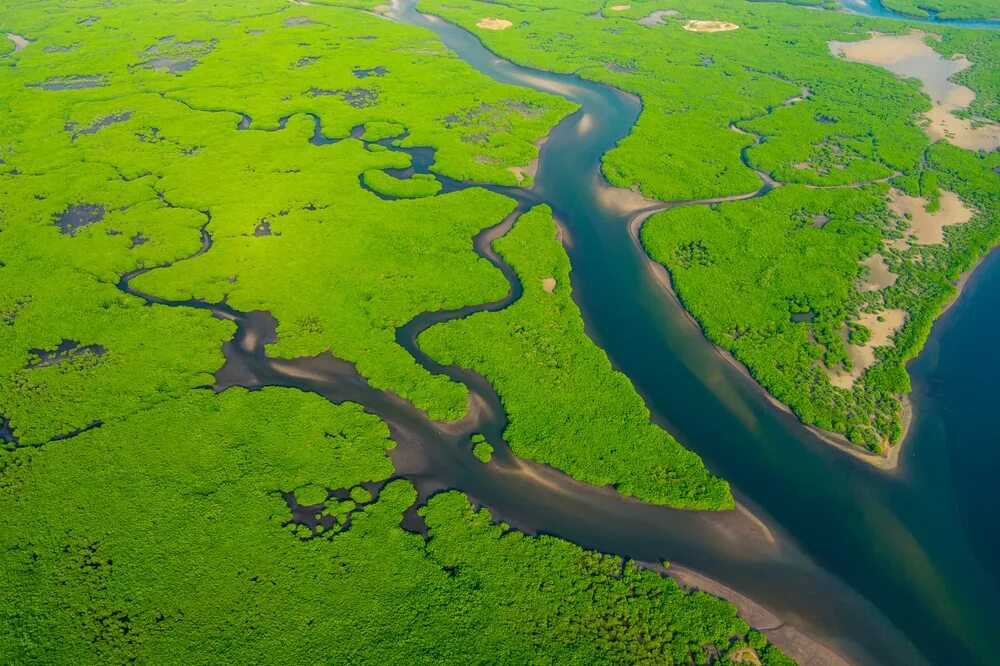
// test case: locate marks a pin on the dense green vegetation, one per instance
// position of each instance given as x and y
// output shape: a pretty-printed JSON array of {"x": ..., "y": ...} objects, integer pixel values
[
  {"x": 152, "y": 541},
  {"x": 148, "y": 156},
  {"x": 946, "y": 9},
  {"x": 146, "y": 518},
  {"x": 770, "y": 96},
  {"x": 558, "y": 387},
  {"x": 695, "y": 87},
  {"x": 415, "y": 187}
]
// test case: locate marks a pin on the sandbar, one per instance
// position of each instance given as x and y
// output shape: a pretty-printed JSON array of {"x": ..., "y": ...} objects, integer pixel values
[
  {"x": 493, "y": 24},
  {"x": 19, "y": 41},
  {"x": 709, "y": 26}
]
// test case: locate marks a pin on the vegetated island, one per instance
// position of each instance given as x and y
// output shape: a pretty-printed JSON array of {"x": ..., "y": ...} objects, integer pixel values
[{"x": 824, "y": 287}]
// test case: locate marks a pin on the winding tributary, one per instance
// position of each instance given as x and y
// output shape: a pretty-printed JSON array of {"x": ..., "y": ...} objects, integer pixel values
[
  {"x": 900, "y": 540},
  {"x": 880, "y": 568}
]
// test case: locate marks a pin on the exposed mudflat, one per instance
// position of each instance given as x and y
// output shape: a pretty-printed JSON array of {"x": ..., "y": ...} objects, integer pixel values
[
  {"x": 927, "y": 228},
  {"x": 883, "y": 325},
  {"x": 910, "y": 56}
]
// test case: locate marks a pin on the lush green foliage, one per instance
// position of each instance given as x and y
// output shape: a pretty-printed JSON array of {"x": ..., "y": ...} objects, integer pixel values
[
  {"x": 139, "y": 147},
  {"x": 804, "y": 117},
  {"x": 417, "y": 186},
  {"x": 559, "y": 388},
  {"x": 855, "y": 123},
  {"x": 173, "y": 526},
  {"x": 482, "y": 449},
  {"x": 151, "y": 540}
]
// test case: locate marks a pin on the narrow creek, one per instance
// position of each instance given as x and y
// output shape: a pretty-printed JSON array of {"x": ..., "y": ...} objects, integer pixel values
[
  {"x": 897, "y": 539},
  {"x": 839, "y": 552}
]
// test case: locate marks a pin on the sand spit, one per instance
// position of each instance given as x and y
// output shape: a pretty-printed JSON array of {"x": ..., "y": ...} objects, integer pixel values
[
  {"x": 794, "y": 643},
  {"x": 909, "y": 56},
  {"x": 528, "y": 172},
  {"x": 883, "y": 325},
  {"x": 493, "y": 24},
  {"x": 656, "y": 18},
  {"x": 879, "y": 275},
  {"x": 549, "y": 284},
  {"x": 710, "y": 26},
  {"x": 19, "y": 41},
  {"x": 928, "y": 228}
]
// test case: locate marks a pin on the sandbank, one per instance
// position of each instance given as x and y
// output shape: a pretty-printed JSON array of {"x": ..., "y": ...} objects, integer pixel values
[
  {"x": 927, "y": 228},
  {"x": 19, "y": 41},
  {"x": 879, "y": 275},
  {"x": 493, "y": 24},
  {"x": 790, "y": 640},
  {"x": 909, "y": 56},
  {"x": 709, "y": 26},
  {"x": 883, "y": 325}
]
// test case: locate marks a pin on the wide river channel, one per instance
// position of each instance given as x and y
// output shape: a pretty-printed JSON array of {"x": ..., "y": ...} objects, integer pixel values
[{"x": 883, "y": 568}]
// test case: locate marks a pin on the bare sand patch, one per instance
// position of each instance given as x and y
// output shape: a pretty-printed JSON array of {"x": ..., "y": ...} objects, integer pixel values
[
  {"x": 549, "y": 284},
  {"x": 381, "y": 9},
  {"x": 619, "y": 8},
  {"x": 879, "y": 275},
  {"x": 883, "y": 325},
  {"x": 529, "y": 171},
  {"x": 19, "y": 41},
  {"x": 709, "y": 26},
  {"x": 928, "y": 228},
  {"x": 493, "y": 24},
  {"x": 909, "y": 56}
]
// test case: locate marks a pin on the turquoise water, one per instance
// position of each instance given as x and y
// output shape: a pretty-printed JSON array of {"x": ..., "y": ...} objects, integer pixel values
[{"x": 875, "y": 9}]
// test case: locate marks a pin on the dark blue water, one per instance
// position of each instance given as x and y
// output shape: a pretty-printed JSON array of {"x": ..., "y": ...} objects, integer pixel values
[{"x": 919, "y": 545}]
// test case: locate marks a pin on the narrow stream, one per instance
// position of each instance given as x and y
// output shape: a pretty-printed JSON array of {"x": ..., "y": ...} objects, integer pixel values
[
  {"x": 897, "y": 539},
  {"x": 845, "y": 554}
]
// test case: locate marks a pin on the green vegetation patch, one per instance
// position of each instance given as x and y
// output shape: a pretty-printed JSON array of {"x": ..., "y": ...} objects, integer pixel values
[
  {"x": 417, "y": 186},
  {"x": 153, "y": 540},
  {"x": 567, "y": 406},
  {"x": 481, "y": 448}
]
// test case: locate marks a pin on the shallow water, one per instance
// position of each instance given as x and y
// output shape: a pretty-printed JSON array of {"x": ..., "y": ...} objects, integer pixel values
[
  {"x": 875, "y": 9},
  {"x": 899, "y": 540}
]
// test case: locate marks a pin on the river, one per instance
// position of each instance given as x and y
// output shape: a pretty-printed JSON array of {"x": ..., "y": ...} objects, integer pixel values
[
  {"x": 883, "y": 569},
  {"x": 917, "y": 544}
]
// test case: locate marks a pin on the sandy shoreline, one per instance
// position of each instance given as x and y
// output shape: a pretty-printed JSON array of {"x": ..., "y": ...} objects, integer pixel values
[
  {"x": 791, "y": 641},
  {"x": 887, "y": 463}
]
